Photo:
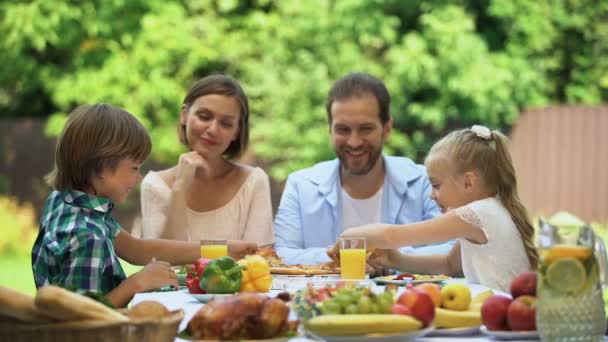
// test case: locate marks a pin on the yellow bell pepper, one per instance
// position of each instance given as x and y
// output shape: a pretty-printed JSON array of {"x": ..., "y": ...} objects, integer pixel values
[{"x": 256, "y": 278}]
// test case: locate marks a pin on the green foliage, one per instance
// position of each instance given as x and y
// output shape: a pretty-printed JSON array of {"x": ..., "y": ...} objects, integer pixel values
[
  {"x": 447, "y": 63},
  {"x": 17, "y": 227}
]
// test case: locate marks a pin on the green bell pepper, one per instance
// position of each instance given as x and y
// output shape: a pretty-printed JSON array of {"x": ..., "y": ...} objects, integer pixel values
[{"x": 222, "y": 275}]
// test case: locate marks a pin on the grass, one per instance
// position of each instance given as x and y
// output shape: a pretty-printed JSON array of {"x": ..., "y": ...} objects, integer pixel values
[{"x": 16, "y": 273}]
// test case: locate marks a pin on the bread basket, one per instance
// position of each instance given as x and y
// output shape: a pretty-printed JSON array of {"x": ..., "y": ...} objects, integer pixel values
[{"x": 158, "y": 330}]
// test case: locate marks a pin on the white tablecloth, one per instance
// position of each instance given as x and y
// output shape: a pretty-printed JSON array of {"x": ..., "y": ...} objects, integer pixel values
[{"x": 181, "y": 300}]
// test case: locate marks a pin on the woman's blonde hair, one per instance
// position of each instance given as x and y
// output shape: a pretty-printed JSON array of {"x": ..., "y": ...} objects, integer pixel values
[
  {"x": 96, "y": 137},
  {"x": 466, "y": 150}
]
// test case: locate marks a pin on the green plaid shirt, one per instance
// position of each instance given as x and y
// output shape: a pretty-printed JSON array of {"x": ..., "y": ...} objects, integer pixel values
[{"x": 75, "y": 244}]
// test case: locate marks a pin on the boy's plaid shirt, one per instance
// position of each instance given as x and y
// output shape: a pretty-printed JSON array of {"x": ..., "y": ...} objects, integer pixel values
[{"x": 75, "y": 244}]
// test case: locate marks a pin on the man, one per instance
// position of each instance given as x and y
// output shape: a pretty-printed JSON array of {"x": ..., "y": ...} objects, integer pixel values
[{"x": 361, "y": 186}]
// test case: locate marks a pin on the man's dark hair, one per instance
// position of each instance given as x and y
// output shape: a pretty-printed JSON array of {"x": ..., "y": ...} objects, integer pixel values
[{"x": 358, "y": 84}]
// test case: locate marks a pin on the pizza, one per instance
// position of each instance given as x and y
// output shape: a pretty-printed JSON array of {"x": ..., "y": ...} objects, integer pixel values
[{"x": 278, "y": 267}]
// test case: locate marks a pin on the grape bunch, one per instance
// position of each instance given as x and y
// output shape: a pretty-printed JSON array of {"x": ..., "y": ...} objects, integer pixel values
[{"x": 360, "y": 300}]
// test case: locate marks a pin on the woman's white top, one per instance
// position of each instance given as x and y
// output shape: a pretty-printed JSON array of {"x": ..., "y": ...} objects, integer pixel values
[
  {"x": 503, "y": 257},
  {"x": 247, "y": 216}
]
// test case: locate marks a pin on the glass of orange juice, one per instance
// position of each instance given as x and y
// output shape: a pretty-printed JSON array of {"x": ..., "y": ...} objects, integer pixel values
[
  {"x": 214, "y": 248},
  {"x": 352, "y": 258}
]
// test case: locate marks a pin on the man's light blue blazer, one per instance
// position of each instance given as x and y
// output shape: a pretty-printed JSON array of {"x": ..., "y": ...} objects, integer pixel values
[{"x": 309, "y": 218}]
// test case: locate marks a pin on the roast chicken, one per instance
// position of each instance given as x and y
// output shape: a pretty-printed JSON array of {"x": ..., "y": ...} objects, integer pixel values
[{"x": 242, "y": 316}]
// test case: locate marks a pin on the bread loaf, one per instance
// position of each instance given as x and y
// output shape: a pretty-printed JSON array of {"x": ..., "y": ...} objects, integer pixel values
[
  {"x": 20, "y": 306},
  {"x": 65, "y": 305}
]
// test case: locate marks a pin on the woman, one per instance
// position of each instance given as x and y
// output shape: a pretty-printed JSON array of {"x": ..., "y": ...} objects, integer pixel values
[{"x": 207, "y": 195}]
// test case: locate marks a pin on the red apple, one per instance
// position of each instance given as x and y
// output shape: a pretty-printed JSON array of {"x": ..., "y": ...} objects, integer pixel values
[
  {"x": 400, "y": 309},
  {"x": 521, "y": 314},
  {"x": 524, "y": 284},
  {"x": 420, "y": 304},
  {"x": 494, "y": 312}
]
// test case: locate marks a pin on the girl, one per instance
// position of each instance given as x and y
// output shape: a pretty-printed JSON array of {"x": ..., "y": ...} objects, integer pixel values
[
  {"x": 97, "y": 163},
  {"x": 474, "y": 184},
  {"x": 208, "y": 195}
]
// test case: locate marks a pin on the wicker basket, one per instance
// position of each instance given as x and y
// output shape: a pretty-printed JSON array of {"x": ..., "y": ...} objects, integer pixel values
[{"x": 160, "y": 330}]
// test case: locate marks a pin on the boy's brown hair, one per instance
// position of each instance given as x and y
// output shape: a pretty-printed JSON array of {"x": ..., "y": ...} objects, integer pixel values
[{"x": 95, "y": 137}]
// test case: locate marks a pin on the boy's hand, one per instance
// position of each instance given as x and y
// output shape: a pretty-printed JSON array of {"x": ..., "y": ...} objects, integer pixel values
[
  {"x": 154, "y": 275},
  {"x": 238, "y": 249}
]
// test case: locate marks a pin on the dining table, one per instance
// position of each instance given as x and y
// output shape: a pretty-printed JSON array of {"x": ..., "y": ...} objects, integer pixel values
[{"x": 181, "y": 299}]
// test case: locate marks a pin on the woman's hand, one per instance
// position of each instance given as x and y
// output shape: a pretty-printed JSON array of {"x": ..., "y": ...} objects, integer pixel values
[
  {"x": 238, "y": 249},
  {"x": 187, "y": 165},
  {"x": 154, "y": 275}
]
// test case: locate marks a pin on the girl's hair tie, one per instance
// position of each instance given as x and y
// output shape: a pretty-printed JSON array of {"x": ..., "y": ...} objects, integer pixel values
[{"x": 482, "y": 131}]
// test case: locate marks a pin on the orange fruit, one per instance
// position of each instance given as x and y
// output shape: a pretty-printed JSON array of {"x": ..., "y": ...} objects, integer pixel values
[
  {"x": 563, "y": 251},
  {"x": 433, "y": 290}
]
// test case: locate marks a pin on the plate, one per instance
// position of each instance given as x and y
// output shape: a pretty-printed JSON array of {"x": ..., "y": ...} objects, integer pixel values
[
  {"x": 510, "y": 335},
  {"x": 204, "y": 298},
  {"x": 420, "y": 281},
  {"x": 384, "y": 281},
  {"x": 454, "y": 332},
  {"x": 411, "y": 336}
]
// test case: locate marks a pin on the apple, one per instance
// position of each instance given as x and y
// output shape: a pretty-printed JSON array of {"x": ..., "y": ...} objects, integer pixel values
[
  {"x": 432, "y": 290},
  {"x": 400, "y": 309},
  {"x": 494, "y": 312},
  {"x": 456, "y": 296},
  {"x": 521, "y": 313},
  {"x": 420, "y": 304},
  {"x": 524, "y": 284}
]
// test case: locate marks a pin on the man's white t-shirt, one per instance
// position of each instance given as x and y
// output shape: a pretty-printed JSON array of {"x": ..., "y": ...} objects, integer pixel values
[{"x": 357, "y": 212}]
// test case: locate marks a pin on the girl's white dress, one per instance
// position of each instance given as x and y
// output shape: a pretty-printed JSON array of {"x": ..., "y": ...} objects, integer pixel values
[
  {"x": 503, "y": 257},
  {"x": 247, "y": 216}
]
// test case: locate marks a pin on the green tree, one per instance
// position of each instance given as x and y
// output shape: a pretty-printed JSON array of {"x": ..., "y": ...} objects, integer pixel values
[{"x": 447, "y": 63}]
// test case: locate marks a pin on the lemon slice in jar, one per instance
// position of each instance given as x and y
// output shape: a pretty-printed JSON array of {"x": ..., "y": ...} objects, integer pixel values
[{"x": 566, "y": 275}]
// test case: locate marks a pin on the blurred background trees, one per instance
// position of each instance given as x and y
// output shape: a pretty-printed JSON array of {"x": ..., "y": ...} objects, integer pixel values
[{"x": 447, "y": 63}]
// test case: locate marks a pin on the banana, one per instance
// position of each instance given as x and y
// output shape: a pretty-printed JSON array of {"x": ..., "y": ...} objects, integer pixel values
[
  {"x": 362, "y": 324},
  {"x": 456, "y": 319},
  {"x": 481, "y": 297}
]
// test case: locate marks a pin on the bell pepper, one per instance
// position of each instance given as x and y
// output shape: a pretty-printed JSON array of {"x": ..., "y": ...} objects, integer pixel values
[
  {"x": 194, "y": 274},
  {"x": 222, "y": 275},
  {"x": 256, "y": 278}
]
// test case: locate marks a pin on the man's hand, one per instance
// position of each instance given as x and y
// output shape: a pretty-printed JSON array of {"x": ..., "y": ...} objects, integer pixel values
[
  {"x": 239, "y": 249},
  {"x": 333, "y": 252},
  {"x": 383, "y": 259}
]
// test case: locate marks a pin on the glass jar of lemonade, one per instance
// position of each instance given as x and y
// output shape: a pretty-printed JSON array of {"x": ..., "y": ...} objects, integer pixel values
[{"x": 570, "y": 305}]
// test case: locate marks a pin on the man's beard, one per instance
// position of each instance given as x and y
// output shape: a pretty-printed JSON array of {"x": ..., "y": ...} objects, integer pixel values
[{"x": 374, "y": 155}]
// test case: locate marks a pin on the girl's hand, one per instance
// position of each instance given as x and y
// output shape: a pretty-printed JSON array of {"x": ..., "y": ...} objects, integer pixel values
[
  {"x": 238, "y": 249},
  {"x": 154, "y": 275},
  {"x": 383, "y": 258},
  {"x": 187, "y": 165},
  {"x": 376, "y": 234}
]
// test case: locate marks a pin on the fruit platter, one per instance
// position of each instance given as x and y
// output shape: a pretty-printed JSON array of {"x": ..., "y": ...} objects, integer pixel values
[{"x": 349, "y": 312}]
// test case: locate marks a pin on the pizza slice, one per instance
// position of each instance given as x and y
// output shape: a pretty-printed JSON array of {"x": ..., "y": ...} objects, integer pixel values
[{"x": 277, "y": 266}]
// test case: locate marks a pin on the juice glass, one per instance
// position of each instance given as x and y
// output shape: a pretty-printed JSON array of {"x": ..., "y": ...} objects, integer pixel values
[
  {"x": 214, "y": 248},
  {"x": 570, "y": 306},
  {"x": 352, "y": 258}
]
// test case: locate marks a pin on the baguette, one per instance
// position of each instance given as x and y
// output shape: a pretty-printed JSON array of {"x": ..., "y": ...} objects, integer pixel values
[
  {"x": 69, "y": 306},
  {"x": 20, "y": 306}
]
